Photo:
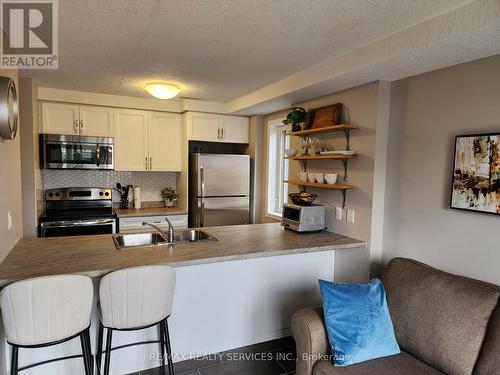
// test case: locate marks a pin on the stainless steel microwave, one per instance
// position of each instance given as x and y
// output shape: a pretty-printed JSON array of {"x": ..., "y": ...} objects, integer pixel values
[
  {"x": 76, "y": 152},
  {"x": 303, "y": 218}
]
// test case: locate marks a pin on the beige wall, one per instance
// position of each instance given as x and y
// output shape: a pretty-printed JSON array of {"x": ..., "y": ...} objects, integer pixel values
[
  {"x": 427, "y": 112},
  {"x": 10, "y": 185},
  {"x": 30, "y": 170},
  {"x": 360, "y": 108}
]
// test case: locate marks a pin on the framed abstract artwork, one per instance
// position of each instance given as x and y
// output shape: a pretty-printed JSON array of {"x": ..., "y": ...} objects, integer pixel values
[{"x": 476, "y": 173}]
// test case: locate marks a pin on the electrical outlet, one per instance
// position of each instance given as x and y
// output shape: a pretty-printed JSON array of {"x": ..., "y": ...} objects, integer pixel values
[
  {"x": 339, "y": 213},
  {"x": 9, "y": 220},
  {"x": 350, "y": 216}
]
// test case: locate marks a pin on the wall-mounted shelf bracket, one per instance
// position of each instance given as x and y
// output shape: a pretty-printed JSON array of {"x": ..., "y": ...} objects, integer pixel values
[
  {"x": 344, "y": 161},
  {"x": 347, "y": 139}
]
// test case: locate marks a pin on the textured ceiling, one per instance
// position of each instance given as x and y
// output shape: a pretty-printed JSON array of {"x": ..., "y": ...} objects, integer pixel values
[{"x": 215, "y": 49}]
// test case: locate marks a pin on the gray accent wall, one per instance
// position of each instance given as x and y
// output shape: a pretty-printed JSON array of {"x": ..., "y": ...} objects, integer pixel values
[{"x": 427, "y": 112}]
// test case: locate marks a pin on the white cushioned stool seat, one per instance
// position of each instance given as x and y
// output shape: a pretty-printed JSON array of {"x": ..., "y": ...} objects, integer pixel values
[
  {"x": 46, "y": 309},
  {"x": 136, "y": 297}
]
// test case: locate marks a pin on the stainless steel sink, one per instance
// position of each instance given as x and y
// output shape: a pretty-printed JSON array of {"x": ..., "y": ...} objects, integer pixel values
[{"x": 130, "y": 241}]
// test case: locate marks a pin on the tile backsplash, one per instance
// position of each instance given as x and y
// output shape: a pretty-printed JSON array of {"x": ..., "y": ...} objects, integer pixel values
[{"x": 151, "y": 183}]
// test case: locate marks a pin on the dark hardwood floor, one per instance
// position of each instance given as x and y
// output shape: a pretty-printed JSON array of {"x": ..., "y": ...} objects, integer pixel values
[{"x": 275, "y": 357}]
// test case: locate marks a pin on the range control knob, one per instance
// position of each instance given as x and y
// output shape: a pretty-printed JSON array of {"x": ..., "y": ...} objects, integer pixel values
[
  {"x": 100, "y": 193},
  {"x": 58, "y": 194},
  {"x": 106, "y": 193},
  {"x": 51, "y": 195}
]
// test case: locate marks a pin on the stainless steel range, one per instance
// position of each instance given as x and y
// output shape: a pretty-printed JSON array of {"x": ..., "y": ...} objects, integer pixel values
[{"x": 78, "y": 211}]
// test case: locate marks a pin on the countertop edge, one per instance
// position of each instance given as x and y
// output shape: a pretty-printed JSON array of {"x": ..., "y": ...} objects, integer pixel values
[{"x": 228, "y": 258}]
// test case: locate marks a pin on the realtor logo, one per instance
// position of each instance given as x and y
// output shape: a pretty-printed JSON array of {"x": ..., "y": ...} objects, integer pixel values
[{"x": 29, "y": 39}]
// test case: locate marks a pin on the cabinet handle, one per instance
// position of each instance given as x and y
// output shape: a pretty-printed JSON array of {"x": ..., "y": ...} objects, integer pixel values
[
  {"x": 81, "y": 127},
  {"x": 146, "y": 163},
  {"x": 222, "y": 130},
  {"x": 76, "y": 126},
  {"x": 150, "y": 163}
]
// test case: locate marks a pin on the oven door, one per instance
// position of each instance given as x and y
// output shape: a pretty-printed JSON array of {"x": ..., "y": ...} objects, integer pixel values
[
  {"x": 77, "y": 227},
  {"x": 77, "y": 155}
]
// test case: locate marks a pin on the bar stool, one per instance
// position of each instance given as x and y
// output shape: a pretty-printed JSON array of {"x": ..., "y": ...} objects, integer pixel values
[
  {"x": 133, "y": 299},
  {"x": 47, "y": 311}
]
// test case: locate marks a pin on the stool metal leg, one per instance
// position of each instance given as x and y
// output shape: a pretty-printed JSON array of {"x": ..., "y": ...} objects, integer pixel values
[
  {"x": 86, "y": 362},
  {"x": 89, "y": 349},
  {"x": 162, "y": 346},
  {"x": 98, "y": 357},
  {"x": 107, "y": 357},
  {"x": 169, "y": 349},
  {"x": 14, "y": 363}
]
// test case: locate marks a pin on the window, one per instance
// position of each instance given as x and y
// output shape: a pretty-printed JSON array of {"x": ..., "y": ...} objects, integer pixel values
[{"x": 277, "y": 168}]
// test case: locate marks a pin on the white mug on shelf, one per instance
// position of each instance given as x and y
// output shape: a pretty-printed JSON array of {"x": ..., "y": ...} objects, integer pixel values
[
  {"x": 311, "y": 177},
  {"x": 320, "y": 178},
  {"x": 303, "y": 176},
  {"x": 331, "y": 178}
]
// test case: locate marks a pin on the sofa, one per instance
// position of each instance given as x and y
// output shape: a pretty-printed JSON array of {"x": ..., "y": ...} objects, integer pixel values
[{"x": 444, "y": 324}]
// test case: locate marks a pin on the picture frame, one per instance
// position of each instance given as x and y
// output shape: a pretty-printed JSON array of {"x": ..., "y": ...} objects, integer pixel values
[{"x": 475, "y": 183}]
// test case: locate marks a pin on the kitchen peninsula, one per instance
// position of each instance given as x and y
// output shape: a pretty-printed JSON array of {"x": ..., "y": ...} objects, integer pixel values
[{"x": 234, "y": 291}]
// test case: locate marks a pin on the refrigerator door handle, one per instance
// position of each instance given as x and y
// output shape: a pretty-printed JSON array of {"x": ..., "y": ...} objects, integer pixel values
[{"x": 202, "y": 204}]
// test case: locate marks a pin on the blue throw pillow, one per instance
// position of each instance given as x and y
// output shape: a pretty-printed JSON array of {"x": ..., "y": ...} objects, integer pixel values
[{"x": 358, "y": 322}]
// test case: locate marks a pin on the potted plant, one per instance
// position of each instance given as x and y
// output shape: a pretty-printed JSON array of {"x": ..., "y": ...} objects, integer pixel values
[
  {"x": 169, "y": 196},
  {"x": 295, "y": 117}
]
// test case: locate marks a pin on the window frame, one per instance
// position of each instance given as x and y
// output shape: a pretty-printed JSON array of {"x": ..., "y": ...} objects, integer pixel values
[{"x": 277, "y": 168}]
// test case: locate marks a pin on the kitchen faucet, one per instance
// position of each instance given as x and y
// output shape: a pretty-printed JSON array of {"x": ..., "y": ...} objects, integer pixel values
[{"x": 169, "y": 237}]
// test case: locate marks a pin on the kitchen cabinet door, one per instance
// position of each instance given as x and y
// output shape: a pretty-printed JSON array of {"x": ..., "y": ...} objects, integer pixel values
[
  {"x": 60, "y": 119},
  {"x": 204, "y": 127},
  {"x": 96, "y": 121},
  {"x": 164, "y": 141},
  {"x": 131, "y": 137},
  {"x": 234, "y": 129}
]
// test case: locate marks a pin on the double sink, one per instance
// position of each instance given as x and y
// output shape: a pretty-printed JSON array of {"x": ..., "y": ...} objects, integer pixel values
[{"x": 130, "y": 241}]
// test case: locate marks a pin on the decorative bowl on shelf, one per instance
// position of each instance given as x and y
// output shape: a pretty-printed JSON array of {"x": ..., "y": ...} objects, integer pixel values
[
  {"x": 291, "y": 152},
  {"x": 303, "y": 198}
]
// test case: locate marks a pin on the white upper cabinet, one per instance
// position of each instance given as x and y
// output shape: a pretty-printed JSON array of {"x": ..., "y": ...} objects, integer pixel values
[
  {"x": 164, "y": 141},
  {"x": 73, "y": 119},
  {"x": 60, "y": 119},
  {"x": 131, "y": 138},
  {"x": 234, "y": 129},
  {"x": 147, "y": 141},
  {"x": 96, "y": 121},
  {"x": 216, "y": 128}
]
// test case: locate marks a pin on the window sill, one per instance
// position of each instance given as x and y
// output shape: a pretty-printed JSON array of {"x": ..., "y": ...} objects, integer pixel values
[{"x": 276, "y": 217}]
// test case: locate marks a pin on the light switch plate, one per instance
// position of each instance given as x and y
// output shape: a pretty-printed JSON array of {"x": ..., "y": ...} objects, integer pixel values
[
  {"x": 350, "y": 216},
  {"x": 339, "y": 213},
  {"x": 9, "y": 220}
]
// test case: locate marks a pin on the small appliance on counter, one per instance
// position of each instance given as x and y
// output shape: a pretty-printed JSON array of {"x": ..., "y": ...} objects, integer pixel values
[
  {"x": 137, "y": 197},
  {"x": 77, "y": 211},
  {"x": 309, "y": 218}
]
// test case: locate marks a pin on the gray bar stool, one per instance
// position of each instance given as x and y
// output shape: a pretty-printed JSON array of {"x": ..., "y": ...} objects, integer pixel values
[
  {"x": 47, "y": 311},
  {"x": 133, "y": 299}
]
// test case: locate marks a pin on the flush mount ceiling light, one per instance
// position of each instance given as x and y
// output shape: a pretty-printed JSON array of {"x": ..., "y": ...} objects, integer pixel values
[{"x": 162, "y": 90}]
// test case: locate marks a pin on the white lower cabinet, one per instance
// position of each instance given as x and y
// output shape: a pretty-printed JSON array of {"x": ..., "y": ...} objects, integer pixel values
[{"x": 134, "y": 224}]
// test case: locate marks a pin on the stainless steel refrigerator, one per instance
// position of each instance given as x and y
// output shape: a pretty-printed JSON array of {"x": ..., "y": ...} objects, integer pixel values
[{"x": 219, "y": 190}]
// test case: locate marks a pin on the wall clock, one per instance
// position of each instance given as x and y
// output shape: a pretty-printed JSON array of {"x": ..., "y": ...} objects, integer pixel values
[{"x": 8, "y": 108}]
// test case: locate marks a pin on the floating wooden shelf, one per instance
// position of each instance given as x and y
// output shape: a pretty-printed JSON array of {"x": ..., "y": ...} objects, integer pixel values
[
  {"x": 319, "y": 157},
  {"x": 325, "y": 129},
  {"x": 325, "y": 186}
]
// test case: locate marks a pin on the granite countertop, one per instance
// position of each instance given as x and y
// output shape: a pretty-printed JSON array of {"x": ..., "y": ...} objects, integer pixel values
[
  {"x": 96, "y": 255},
  {"x": 149, "y": 211}
]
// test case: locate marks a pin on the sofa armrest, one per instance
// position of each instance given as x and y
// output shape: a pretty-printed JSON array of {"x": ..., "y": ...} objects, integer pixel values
[{"x": 310, "y": 335}]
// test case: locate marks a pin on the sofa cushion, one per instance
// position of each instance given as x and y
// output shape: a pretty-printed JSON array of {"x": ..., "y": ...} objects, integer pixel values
[
  {"x": 489, "y": 360},
  {"x": 357, "y": 321},
  {"x": 399, "y": 364},
  {"x": 439, "y": 318}
]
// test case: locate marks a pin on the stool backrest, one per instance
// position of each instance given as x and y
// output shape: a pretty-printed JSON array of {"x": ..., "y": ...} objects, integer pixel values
[
  {"x": 136, "y": 297},
  {"x": 46, "y": 309}
]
